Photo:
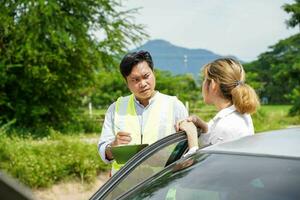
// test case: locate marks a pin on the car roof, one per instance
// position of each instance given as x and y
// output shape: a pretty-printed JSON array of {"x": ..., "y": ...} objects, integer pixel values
[{"x": 279, "y": 143}]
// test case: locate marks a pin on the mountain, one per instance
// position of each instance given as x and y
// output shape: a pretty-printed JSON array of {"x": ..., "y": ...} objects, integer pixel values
[{"x": 178, "y": 60}]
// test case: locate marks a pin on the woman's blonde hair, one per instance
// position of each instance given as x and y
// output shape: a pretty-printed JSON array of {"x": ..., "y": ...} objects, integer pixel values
[{"x": 230, "y": 76}]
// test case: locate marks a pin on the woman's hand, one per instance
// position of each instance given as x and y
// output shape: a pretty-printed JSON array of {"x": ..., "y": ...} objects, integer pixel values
[
  {"x": 194, "y": 119},
  {"x": 191, "y": 132},
  {"x": 198, "y": 122}
]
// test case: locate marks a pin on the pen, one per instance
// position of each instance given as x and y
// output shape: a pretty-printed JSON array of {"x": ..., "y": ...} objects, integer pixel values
[{"x": 141, "y": 138}]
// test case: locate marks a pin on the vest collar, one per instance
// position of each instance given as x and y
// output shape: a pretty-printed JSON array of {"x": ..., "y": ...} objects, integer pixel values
[{"x": 152, "y": 99}]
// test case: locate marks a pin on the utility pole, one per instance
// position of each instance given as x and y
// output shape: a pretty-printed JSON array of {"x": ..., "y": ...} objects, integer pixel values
[{"x": 185, "y": 60}]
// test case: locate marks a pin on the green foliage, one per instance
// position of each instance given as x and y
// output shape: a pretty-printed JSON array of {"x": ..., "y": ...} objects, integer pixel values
[
  {"x": 109, "y": 86},
  {"x": 49, "y": 55},
  {"x": 294, "y": 9},
  {"x": 277, "y": 72},
  {"x": 204, "y": 111},
  {"x": 295, "y": 99},
  {"x": 41, "y": 163},
  {"x": 182, "y": 86},
  {"x": 82, "y": 122},
  {"x": 272, "y": 117},
  {"x": 251, "y": 77}
]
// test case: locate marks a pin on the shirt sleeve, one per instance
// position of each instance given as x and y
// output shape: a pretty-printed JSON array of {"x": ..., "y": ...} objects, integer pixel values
[
  {"x": 107, "y": 133},
  {"x": 180, "y": 112},
  {"x": 206, "y": 137},
  {"x": 223, "y": 133}
]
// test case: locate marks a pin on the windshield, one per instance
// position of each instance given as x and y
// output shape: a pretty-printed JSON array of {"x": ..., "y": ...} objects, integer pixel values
[{"x": 224, "y": 177}]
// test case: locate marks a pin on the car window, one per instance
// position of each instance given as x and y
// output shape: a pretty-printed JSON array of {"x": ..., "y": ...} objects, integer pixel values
[
  {"x": 153, "y": 164},
  {"x": 149, "y": 161},
  {"x": 223, "y": 177}
]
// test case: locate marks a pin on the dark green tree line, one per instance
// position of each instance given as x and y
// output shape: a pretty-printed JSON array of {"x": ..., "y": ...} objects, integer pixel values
[
  {"x": 49, "y": 55},
  {"x": 182, "y": 86},
  {"x": 278, "y": 70}
]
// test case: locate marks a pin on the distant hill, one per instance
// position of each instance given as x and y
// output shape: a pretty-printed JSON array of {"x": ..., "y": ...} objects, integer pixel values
[{"x": 178, "y": 60}]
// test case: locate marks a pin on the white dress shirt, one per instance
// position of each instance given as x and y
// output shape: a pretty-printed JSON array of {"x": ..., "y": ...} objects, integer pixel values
[
  {"x": 227, "y": 125},
  {"x": 107, "y": 134}
]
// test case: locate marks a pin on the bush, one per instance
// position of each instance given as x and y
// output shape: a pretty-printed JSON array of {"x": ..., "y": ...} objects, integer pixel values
[
  {"x": 82, "y": 123},
  {"x": 41, "y": 163}
]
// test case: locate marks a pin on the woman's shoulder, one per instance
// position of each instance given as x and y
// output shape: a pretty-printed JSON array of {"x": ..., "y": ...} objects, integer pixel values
[
  {"x": 236, "y": 121},
  {"x": 236, "y": 117}
]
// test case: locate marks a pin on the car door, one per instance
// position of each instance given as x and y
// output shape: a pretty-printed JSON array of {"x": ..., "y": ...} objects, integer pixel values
[{"x": 143, "y": 165}]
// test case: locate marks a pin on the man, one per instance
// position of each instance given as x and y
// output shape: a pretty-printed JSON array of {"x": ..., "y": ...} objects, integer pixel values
[{"x": 145, "y": 116}]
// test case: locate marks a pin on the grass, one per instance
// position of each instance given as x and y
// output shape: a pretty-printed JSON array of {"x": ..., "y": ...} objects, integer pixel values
[
  {"x": 44, "y": 162},
  {"x": 272, "y": 117}
]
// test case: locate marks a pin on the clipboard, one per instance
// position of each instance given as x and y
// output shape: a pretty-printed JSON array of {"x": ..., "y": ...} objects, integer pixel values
[{"x": 123, "y": 153}]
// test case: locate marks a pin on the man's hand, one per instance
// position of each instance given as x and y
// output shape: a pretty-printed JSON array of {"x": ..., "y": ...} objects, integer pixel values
[{"x": 121, "y": 138}]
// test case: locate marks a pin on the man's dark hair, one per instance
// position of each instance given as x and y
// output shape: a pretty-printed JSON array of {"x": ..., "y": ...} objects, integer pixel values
[{"x": 132, "y": 59}]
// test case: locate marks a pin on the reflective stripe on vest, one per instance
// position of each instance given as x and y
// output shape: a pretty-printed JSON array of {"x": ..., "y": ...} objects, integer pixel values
[{"x": 159, "y": 120}]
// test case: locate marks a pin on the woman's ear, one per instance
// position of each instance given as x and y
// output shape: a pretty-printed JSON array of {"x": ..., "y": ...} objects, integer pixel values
[{"x": 214, "y": 85}]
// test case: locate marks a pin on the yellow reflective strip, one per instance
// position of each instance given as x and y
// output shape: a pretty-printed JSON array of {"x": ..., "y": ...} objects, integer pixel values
[
  {"x": 153, "y": 123},
  {"x": 116, "y": 117},
  {"x": 118, "y": 102},
  {"x": 132, "y": 124},
  {"x": 115, "y": 167},
  {"x": 170, "y": 122},
  {"x": 131, "y": 107}
]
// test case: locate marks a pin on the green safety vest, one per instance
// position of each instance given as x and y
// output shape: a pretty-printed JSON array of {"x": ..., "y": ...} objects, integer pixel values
[{"x": 159, "y": 118}]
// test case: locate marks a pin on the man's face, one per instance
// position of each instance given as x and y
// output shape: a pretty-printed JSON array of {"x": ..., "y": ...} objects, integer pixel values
[{"x": 141, "y": 81}]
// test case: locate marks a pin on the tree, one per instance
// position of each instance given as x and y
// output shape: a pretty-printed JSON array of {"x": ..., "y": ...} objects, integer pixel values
[
  {"x": 49, "y": 55},
  {"x": 294, "y": 9},
  {"x": 109, "y": 86},
  {"x": 294, "y": 21},
  {"x": 277, "y": 70},
  {"x": 182, "y": 86}
]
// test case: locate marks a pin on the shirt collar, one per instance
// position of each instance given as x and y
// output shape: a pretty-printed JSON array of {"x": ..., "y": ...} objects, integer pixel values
[
  {"x": 151, "y": 100},
  {"x": 224, "y": 112}
]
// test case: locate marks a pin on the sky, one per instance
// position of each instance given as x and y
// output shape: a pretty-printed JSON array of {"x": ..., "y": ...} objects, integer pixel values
[{"x": 243, "y": 28}]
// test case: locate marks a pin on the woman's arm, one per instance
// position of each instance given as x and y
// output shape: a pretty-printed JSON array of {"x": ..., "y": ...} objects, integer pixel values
[
  {"x": 191, "y": 132},
  {"x": 198, "y": 123}
]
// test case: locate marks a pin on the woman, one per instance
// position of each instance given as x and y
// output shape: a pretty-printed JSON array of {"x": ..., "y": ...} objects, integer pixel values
[{"x": 223, "y": 86}]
